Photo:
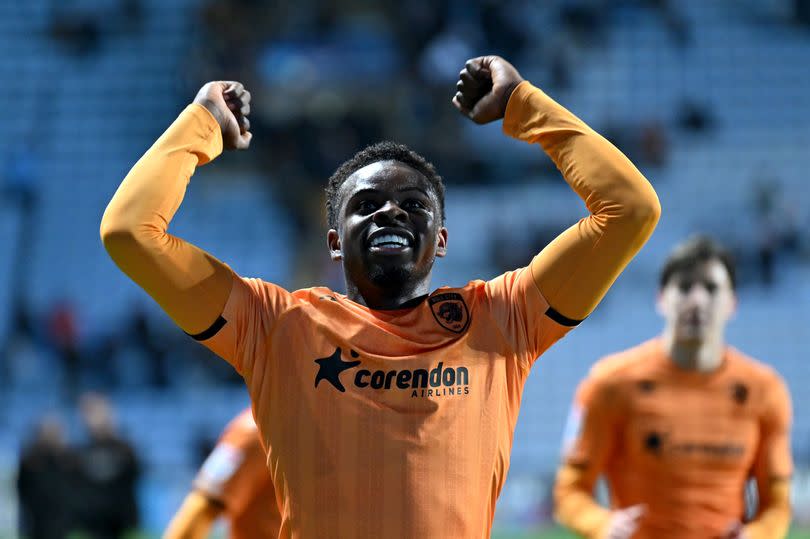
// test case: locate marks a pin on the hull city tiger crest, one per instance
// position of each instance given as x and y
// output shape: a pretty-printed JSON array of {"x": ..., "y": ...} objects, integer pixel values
[{"x": 450, "y": 311}]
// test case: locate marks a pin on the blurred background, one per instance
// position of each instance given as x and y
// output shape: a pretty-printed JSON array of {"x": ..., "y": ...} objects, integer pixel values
[{"x": 711, "y": 99}]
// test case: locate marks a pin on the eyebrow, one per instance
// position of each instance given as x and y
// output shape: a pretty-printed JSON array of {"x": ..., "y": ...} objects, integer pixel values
[{"x": 370, "y": 190}]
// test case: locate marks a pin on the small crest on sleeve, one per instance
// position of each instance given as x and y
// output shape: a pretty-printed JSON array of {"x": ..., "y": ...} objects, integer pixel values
[{"x": 450, "y": 311}]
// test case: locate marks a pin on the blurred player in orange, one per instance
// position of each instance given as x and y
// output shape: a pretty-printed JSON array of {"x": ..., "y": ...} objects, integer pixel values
[
  {"x": 679, "y": 424},
  {"x": 387, "y": 411},
  {"x": 233, "y": 482}
]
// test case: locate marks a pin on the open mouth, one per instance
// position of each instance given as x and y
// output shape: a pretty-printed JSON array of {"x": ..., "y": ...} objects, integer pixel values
[{"x": 390, "y": 242}]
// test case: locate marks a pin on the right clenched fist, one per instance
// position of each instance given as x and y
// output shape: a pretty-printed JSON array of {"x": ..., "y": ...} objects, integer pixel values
[{"x": 229, "y": 103}]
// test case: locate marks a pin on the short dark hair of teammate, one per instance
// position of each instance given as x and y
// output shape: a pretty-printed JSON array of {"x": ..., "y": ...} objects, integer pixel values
[
  {"x": 381, "y": 151},
  {"x": 694, "y": 252}
]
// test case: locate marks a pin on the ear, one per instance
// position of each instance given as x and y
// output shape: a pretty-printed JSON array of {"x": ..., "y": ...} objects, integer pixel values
[
  {"x": 659, "y": 303},
  {"x": 333, "y": 242},
  {"x": 732, "y": 309},
  {"x": 441, "y": 244}
]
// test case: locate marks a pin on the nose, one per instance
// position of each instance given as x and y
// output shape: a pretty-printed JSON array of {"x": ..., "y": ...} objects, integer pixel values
[
  {"x": 698, "y": 295},
  {"x": 390, "y": 213}
]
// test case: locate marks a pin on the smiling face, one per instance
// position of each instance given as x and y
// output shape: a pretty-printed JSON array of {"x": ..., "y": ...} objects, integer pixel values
[{"x": 390, "y": 228}]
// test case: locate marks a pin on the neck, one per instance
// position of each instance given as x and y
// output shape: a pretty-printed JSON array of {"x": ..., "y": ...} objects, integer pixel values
[
  {"x": 704, "y": 355},
  {"x": 387, "y": 299}
]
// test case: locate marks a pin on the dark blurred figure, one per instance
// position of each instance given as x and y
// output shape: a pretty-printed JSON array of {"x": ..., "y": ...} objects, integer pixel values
[
  {"x": 78, "y": 33},
  {"x": 64, "y": 337},
  {"x": 21, "y": 173},
  {"x": 654, "y": 144},
  {"x": 44, "y": 483},
  {"x": 108, "y": 474},
  {"x": 801, "y": 11},
  {"x": 20, "y": 332},
  {"x": 765, "y": 197},
  {"x": 777, "y": 226},
  {"x": 695, "y": 117},
  {"x": 676, "y": 24},
  {"x": 645, "y": 142},
  {"x": 584, "y": 20},
  {"x": 141, "y": 335}
]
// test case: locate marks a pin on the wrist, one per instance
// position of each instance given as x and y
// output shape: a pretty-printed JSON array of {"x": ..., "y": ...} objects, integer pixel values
[
  {"x": 214, "y": 110},
  {"x": 508, "y": 92}
]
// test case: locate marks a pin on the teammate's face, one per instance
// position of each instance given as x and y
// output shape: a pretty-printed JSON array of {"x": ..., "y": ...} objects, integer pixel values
[
  {"x": 697, "y": 304},
  {"x": 390, "y": 226}
]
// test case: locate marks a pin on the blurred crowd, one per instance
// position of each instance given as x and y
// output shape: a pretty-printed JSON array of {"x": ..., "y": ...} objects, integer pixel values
[
  {"x": 47, "y": 350},
  {"x": 88, "y": 488}
]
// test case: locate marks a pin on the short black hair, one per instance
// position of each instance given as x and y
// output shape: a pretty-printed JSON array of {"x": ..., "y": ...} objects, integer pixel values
[
  {"x": 697, "y": 250},
  {"x": 381, "y": 151}
]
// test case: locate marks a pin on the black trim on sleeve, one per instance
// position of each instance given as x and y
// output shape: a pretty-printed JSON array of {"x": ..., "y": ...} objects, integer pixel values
[
  {"x": 218, "y": 324},
  {"x": 560, "y": 319},
  {"x": 213, "y": 500}
]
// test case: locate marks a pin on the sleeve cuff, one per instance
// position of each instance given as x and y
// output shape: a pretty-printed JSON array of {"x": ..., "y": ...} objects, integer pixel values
[
  {"x": 515, "y": 115},
  {"x": 199, "y": 121},
  {"x": 531, "y": 112}
]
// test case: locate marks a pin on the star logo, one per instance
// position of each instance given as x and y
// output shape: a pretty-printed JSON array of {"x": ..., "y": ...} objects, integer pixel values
[{"x": 331, "y": 367}]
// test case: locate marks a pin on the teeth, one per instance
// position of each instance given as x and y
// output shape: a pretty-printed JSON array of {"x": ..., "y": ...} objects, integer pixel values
[{"x": 389, "y": 238}]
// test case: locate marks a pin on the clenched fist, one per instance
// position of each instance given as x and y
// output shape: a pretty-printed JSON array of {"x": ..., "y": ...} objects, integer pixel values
[
  {"x": 229, "y": 103},
  {"x": 484, "y": 87},
  {"x": 624, "y": 522}
]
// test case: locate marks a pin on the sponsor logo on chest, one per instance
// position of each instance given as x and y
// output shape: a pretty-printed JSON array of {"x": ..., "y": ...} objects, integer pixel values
[{"x": 438, "y": 381}]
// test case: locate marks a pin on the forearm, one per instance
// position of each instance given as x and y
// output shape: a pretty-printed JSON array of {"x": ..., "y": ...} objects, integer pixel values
[
  {"x": 194, "y": 519},
  {"x": 773, "y": 518},
  {"x": 575, "y": 507},
  {"x": 191, "y": 285},
  {"x": 577, "y": 269},
  {"x": 599, "y": 173}
]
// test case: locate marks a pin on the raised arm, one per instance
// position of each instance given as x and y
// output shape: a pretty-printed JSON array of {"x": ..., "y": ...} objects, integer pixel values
[
  {"x": 596, "y": 421},
  {"x": 189, "y": 284},
  {"x": 575, "y": 270},
  {"x": 194, "y": 519}
]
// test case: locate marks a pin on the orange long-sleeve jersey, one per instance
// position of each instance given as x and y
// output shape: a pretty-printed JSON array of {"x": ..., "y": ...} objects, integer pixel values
[
  {"x": 386, "y": 423},
  {"x": 235, "y": 476},
  {"x": 682, "y": 443}
]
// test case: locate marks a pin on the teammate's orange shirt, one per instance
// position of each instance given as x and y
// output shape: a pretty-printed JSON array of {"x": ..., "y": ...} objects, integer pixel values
[
  {"x": 236, "y": 476},
  {"x": 681, "y": 442},
  {"x": 387, "y": 423}
]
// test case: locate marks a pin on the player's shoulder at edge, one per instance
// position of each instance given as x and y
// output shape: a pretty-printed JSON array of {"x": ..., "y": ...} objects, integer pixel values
[
  {"x": 244, "y": 420},
  {"x": 751, "y": 367},
  {"x": 621, "y": 364}
]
